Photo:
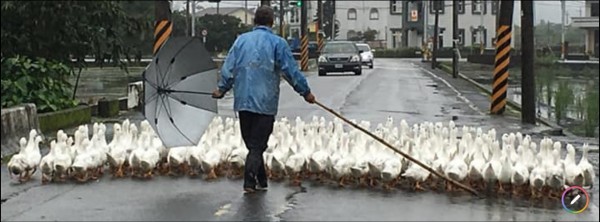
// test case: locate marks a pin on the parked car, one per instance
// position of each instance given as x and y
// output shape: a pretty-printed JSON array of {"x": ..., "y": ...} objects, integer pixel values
[
  {"x": 340, "y": 56},
  {"x": 367, "y": 57}
]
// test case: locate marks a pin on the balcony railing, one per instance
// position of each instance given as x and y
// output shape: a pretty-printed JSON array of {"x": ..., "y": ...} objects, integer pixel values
[{"x": 585, "y": 22}]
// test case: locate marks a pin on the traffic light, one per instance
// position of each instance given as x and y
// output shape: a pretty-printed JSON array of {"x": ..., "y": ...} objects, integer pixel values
[{"x": 297, "y": 3}]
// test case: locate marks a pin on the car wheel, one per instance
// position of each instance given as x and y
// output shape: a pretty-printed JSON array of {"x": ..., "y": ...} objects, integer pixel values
[
  {"x": 322, "y": 73},
  {"x": 371, "y": 65},
  {"x": 358, "y": 73}
]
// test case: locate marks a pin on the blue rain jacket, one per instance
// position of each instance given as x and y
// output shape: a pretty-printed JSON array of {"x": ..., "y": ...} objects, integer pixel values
[{"x": 253, "y": 66}]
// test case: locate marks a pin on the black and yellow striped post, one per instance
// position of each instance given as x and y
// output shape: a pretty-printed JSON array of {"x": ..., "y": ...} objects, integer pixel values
[
  {"x": 318, "y": 26},
  {"x": 503, "y": 38},
  {"x": 163, "y": 25},
  {"x": 304, "y": 40}
]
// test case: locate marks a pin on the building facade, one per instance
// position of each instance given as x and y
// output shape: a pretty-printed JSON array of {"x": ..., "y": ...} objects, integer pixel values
[
  {"x": 402, "y": 23},
  {"x": 590, "y": 24}
]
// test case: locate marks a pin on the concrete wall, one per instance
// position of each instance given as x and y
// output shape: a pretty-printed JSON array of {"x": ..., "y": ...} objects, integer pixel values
[{"x": 16, "y": 123}]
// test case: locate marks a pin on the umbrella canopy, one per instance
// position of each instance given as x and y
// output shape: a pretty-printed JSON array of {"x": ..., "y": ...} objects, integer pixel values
[{"x": 177, "y": 91}]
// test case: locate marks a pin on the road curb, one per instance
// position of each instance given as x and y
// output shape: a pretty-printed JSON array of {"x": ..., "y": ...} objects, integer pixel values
[{"x": 511, "y": 104}]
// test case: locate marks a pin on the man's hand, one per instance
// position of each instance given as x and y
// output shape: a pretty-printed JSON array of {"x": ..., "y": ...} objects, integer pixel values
[
  {"x": 309, "y": 98},
  {"x": 217, "y": 94}
]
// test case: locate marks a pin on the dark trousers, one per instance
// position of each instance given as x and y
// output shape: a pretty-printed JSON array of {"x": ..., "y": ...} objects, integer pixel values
[{"x": 256, "y": 129}]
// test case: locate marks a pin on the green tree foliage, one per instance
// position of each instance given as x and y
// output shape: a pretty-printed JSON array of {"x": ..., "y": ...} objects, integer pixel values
[
  {"x": 139, "y": 39},
  {"x": 222, "y": 31},
  {"x": 63, "y": 30},
  {"x": 41, "y": 38},
  {"x": 38, "y": 81}
]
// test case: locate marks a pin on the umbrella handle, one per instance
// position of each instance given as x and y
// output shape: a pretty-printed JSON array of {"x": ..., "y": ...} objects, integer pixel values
[{"x": 469, "y": 189}]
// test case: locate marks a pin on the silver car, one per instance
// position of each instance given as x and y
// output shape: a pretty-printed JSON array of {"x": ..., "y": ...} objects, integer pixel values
[{"x": 366, "y": 55}]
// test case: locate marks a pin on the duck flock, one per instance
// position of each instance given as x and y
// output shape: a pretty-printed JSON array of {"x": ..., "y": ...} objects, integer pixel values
[{"x": 319, "y": 150}]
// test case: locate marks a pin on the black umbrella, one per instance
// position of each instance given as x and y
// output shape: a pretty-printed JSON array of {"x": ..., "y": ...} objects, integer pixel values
[{"x": 177, "y": 91}]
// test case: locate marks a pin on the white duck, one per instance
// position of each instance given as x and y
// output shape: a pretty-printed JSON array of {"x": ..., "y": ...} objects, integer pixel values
[
  {"x": 457, "y": 168},
  {"x": 477, "y": 163},
  {"x": 417, "y": 173},
  {"x": 47, "y": 163},
  {"x": 294, "y": 164},
  {"x": 17, "y": 163},
  {"x": 520, "y": 175},
  {"x": 83, "y": 162},
  {"x": 280, "y": 155},
  {"x": 177, "y": 159},
  {"x": 537, "y": 177},
  {"x": 506, "y": 170},
  {"x": 210, "y": 162},
  {"x": 150, "y": 157},
  {"x": 573, "y": 174},
  {"x": 555, "y": 178},
  {"x": 63, "y": 160},
  {"x": 317, "y": 162},
  {"x": 117, "y": 154},
  {"x": 33, "y": 156},
  {"x": 586, "y": 167},
  {"x": 491, "y": 170},
  {"x": 341, "y": 168}
]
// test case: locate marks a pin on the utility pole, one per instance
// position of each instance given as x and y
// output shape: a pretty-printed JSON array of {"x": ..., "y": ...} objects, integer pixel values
[
  {"x": 562, "y": 31},
  {"x": 482, "y": 6},
  {"x": 187, "y": 18},
  {"x": 332, "y": 20},
  {"x": 425, "y": 25},
  {"x": 304, "y": 36},
  {"x": 455, "y": 38},
  {"x": 436, "y": 5},
  {"x": 246, "y": 11},
  {"x": 318, "y": 23},
  {"x": 527, "y": 56},
  {"x": 321, "y": 21},
  {"x": 281, "y": 15},
  {"x": 193, "y": 18},
  {"x": 503, "y": 37}
]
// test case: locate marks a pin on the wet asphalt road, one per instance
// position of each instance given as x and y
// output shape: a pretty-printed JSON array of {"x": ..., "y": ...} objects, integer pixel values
[{"x": 394, "y": 88}]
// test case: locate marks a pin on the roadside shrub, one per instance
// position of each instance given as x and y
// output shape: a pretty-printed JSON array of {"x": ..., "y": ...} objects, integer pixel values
[{"x": 40, "y": 81}]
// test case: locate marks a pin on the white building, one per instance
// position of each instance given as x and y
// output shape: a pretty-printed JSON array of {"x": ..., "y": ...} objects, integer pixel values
[
  {"x": 590, "y": 24},
  {"x": 359, "y": 16},
  {"x": 401, "y": 23}
]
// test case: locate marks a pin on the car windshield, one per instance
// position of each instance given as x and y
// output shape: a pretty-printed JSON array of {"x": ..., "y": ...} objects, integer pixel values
[
  {"x": 339, "y": 48},
  {"x": 364, "y": 48}
]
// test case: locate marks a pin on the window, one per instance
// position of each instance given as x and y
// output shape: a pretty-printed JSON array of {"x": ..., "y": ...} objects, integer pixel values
[
  {"x": 434, "y": 3},
  {"x": 478, "y": 36},
  {"x": 351, "y": 14},
  {"x": 395, "y": 7},
  {"x": 478, "y": 7},
  {"x": 461, "y": 37},
  {"x": 374, "y": 14},
  {"x": 594, "y": 11},
  {"x": 495, "y": 6},
  {"x": 461, "y": 6},
  {"x": 295, "y": 16}
]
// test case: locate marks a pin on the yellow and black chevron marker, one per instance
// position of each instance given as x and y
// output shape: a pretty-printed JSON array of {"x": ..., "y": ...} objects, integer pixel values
[
  {"x": 304, "y": 53},
  {"x": 162, "y": 31},
  {"x": 502, "y": 61}
]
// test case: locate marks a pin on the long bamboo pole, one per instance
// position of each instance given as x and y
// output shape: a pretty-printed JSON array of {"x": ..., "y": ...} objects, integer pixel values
[{"x": 471, "y": 190}]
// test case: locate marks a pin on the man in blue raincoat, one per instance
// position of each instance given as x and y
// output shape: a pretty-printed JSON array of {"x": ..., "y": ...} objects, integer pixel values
[{"x": 253, "y": 68}]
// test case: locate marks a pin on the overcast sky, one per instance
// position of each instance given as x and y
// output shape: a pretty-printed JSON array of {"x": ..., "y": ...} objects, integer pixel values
[{"x": 544, "y": 10}]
